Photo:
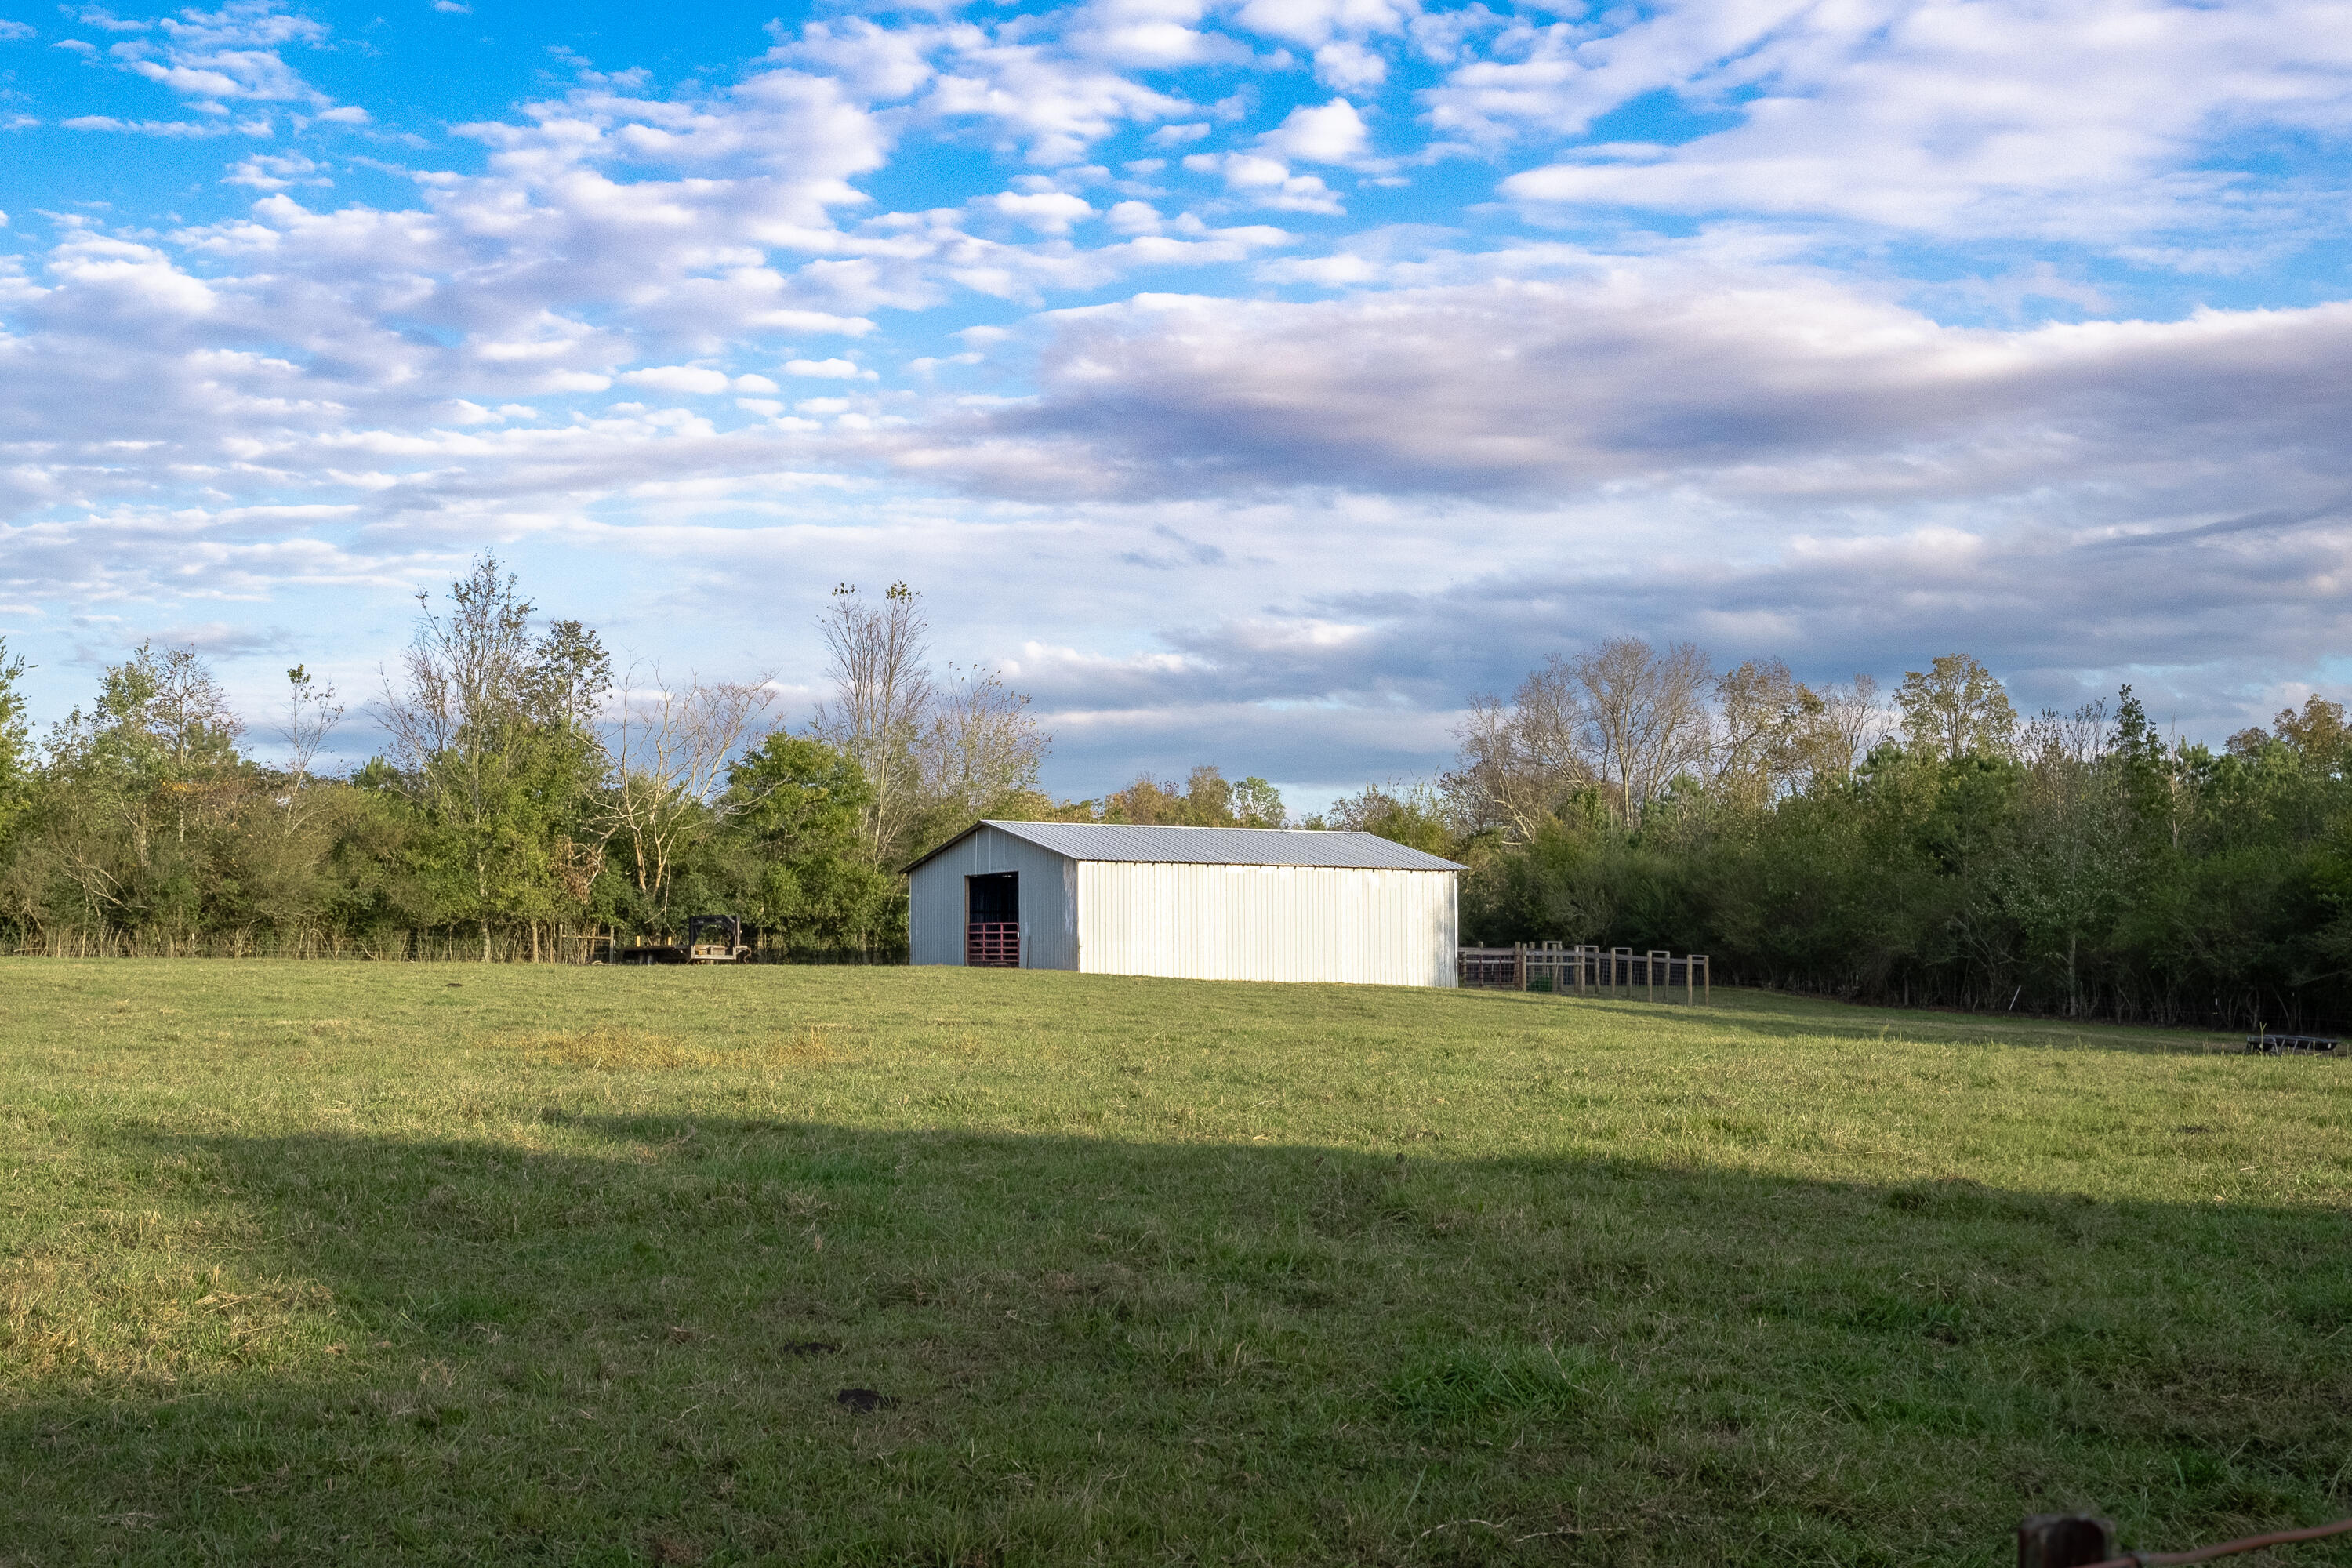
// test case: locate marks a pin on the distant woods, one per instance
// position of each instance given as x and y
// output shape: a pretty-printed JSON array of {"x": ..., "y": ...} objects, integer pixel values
[
  {"x": 1933, "y": 847},
  {"x": 528, "y": 789},
  {"x": 1928, "y": 845}
]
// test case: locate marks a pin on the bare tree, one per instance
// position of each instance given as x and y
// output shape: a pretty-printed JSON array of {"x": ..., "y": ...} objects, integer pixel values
[
  {"x": 882, "y": 696},
  {"x": 189, "y": 712},
  {"x": 1852, "y": 722},
  {"x": 2051, "y": 738},
  {"x": 1644, "y": 716},
  {"x": 980, "y": 747},
  {"x": 1518, "y": 764},
  {"x": 1764, "y": 717},
  {"x": 461, "y": 676},
  {"x": 670, "y": 747},
  {"x": 311, "y": 715}
]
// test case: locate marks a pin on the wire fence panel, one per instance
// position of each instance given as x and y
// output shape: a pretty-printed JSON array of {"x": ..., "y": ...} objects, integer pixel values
[{"x": 1563, "y": 970}]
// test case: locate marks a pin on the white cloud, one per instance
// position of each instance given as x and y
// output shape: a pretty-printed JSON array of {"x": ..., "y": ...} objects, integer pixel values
[
  {"x": 15, "y": 32},
  {"x": 1349, "y": 67},
  {"x": 878, "y": 63},
  {"x": 175, "y": 129},
  {"x": 1957, "y": 116},
  {"x": 1333, "y": 133},
  {"x": 679, "y": 378},
  {"x": 233, "y": 53},
  {"x": 1134, "y": 217},
  {"x": 100, "y": 17},
  {"x": 263, "y": 171},
  {"x": 1154, "y": 35},
  {"x": 1051, "y": 107},
  {"x": 826, "y": 369},
  {"x": 1051, "y": 211},
  {"x": 1262, "y": 182},
  {"x": 1318, "y": 21}
]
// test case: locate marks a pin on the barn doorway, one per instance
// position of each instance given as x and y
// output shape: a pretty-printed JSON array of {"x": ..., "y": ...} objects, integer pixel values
[{"x": 993, "y": 920}]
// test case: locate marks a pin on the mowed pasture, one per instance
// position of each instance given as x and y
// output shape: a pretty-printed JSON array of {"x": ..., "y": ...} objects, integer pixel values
[{"x": 441, "y": 1263}]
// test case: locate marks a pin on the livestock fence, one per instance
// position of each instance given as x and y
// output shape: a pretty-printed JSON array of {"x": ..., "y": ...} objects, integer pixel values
[
  {"x": 542, "y": 941},
  {"x": 1563, "y": 970}
]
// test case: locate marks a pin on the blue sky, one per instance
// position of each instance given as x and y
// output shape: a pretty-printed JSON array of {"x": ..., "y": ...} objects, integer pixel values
[{"x": 1251, "y": 383}]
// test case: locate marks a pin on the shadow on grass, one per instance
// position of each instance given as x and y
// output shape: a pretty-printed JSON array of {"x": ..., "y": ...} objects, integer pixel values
[{"x": 594, "y": 1340}]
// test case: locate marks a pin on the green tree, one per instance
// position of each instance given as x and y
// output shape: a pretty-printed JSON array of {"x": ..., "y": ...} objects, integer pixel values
[
  {"x": 2317, "y": 735},
  {"x": 1956, "y": 709},
  {"x": 1410, "y": 814},
  {"x": 798, "y": 811},
  {"x": 491, "y": 730},
  {"x": 139, "y": 796},
  {"x": 1206, "y": 799},
  {"x": 16, "y": 756},
  {"x": 1258, "y": 804}
]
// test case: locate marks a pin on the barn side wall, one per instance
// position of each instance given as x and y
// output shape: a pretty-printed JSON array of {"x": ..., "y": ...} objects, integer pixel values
[
  {"x": 1266, "y": 923},
  {"x": 1048, "y": 905}
]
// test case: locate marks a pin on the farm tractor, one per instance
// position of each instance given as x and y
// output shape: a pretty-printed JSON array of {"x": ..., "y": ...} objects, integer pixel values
[{"x": 709, "y": 939}]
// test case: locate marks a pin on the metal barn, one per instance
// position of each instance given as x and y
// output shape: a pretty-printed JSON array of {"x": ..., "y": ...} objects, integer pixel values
[{"x": 1196, "y": 903}]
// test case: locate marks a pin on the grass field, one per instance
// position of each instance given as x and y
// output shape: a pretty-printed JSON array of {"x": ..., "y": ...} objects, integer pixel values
[{"x": 446, "y": 1263}]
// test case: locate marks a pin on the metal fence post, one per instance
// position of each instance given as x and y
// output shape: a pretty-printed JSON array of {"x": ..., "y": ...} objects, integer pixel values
[{"x": 2065, "y": 1540}]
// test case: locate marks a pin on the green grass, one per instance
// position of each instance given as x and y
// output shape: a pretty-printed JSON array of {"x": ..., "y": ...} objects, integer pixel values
[{"x": 445, "y": 1263}]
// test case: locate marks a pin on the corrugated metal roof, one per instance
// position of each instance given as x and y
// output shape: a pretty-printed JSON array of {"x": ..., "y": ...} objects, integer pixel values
[{"x": 1214, "y": 846}]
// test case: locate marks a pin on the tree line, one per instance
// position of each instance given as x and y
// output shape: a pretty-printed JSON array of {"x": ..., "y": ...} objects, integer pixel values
[
  {"x": 529, "y": 791},
  {"x": 1935, "y": 847},
  {"x": 1928, "y": 846}
]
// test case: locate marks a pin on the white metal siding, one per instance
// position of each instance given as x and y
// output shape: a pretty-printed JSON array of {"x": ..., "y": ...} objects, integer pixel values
[
  {"x": 1048, "y": 903},
  {"x": 1266, "y": 922}
]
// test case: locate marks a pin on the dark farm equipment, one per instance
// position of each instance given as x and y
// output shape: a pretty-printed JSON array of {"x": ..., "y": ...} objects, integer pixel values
[{"x": 709, "y": 939}]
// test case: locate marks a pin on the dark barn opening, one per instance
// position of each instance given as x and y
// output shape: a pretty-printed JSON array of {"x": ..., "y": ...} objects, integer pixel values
[{"x": 993, "y": 920}]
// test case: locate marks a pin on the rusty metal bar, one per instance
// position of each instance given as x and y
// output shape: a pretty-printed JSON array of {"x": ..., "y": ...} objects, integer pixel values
[{"x": 2081, "y": 1541}]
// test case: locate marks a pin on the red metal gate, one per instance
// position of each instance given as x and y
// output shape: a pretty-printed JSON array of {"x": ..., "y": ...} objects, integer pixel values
[{"x": 993, "y": 944}]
